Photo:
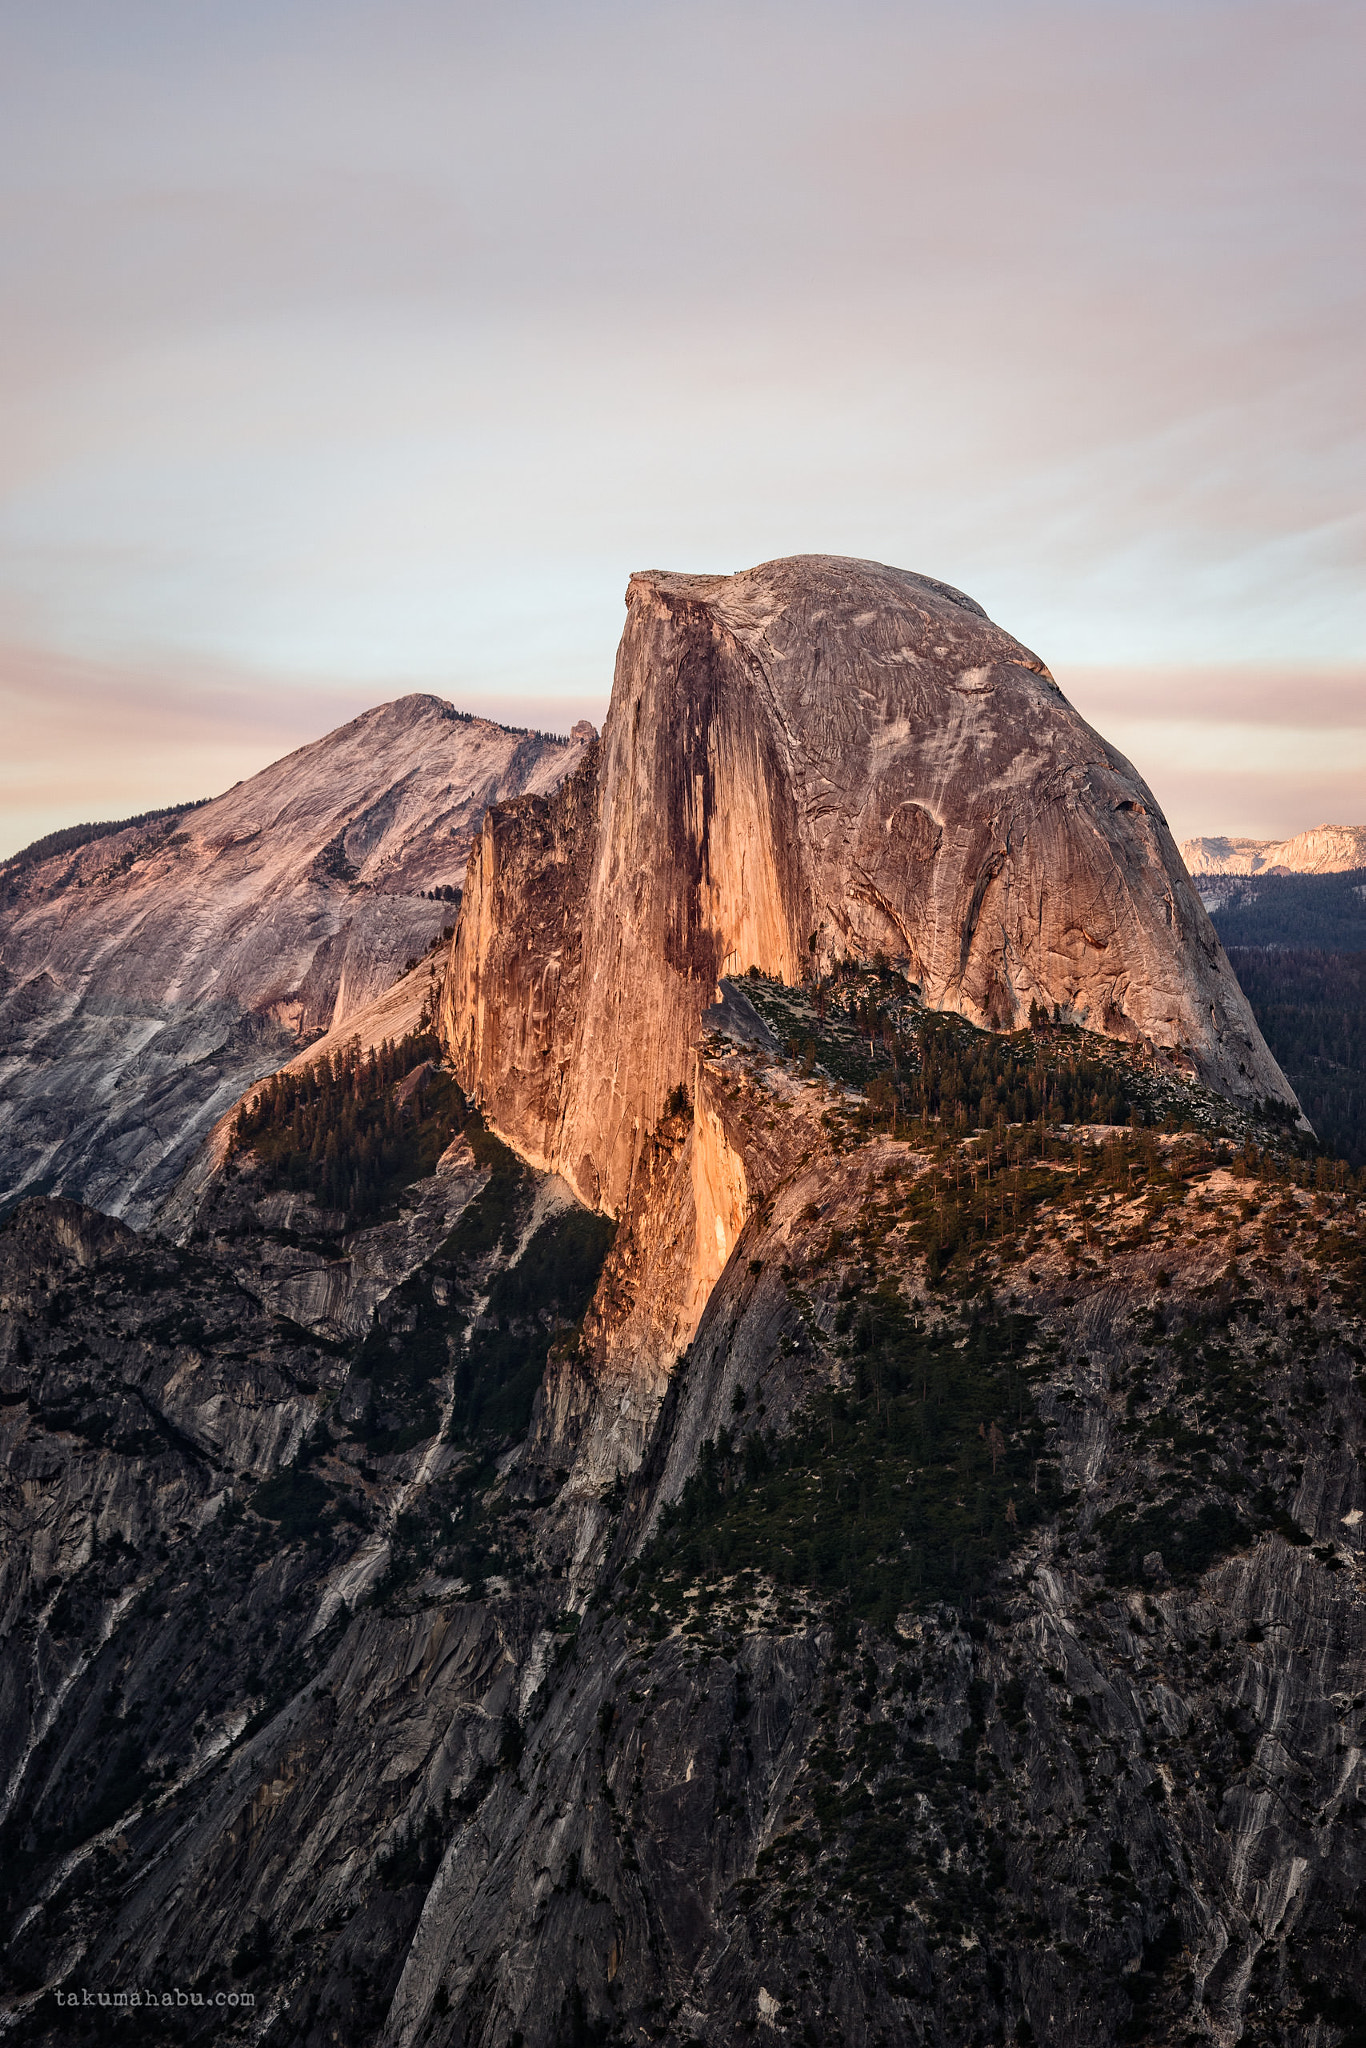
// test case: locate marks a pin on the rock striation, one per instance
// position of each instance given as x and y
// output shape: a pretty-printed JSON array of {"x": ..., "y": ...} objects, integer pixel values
[
  {"x": 150, "y": 977},
  {"x": 814, "y": 759}
]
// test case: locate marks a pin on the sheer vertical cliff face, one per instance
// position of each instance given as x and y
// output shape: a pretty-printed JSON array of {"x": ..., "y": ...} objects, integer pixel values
[
  {"x": 819, "y": 757},
  {"x": 906, "y": 1589}
]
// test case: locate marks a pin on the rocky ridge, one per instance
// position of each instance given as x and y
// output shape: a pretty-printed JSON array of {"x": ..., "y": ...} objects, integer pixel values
[
  {"x": 975, "y": 1648},
  {"x": 1322, "y": 850},
  {"x": 147, "y": 978}
]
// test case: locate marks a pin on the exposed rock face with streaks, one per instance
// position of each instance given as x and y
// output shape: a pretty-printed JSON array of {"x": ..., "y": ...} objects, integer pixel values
[
  {"x": 148, "y": 978},
  {"x": 145, "y": 1394},
  {"x": 818, "y": 758},
  {"x": 304, "y": 1263},
  {"x": 165, "y": 1386},
  {"x": 1111, "y": 1795}
]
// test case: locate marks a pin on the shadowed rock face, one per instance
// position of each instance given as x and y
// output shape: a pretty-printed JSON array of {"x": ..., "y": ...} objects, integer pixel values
[
  {"x": 1115, "y": 1801},
  {"x": 819, "y": 757}
]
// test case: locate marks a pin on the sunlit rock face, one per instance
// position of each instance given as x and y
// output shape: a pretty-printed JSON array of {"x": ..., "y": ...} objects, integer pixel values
[
  {"x": 151, "y": 976},
  {"x": 1322, "y": 850},
  {"x": 815, "y": 758}
]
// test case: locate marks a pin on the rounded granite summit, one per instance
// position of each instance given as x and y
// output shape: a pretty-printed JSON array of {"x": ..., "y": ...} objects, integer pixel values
[{"x": 812, "y": 759}]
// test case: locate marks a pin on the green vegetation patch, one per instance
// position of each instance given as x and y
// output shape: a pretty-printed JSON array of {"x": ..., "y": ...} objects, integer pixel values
[
  {"x": 1311, "y": 1007},
  {"x": 348, "y": 1131},
  {"x": 974, "y": 1080},
  {"x": 1187, "y": 1536},
  {"x": 1031, "y": 1177},
  {"x": 905, "y": 1490},
  {"x": 934, "y": 1073},
  {"x": 864, "y": 1025},
  {"x": 855, "y": 1022},
  {"x": 1326, "y": 912}
]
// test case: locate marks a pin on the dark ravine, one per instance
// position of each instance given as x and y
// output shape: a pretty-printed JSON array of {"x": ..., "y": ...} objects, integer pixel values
[{"x": 900, "y": 1581}]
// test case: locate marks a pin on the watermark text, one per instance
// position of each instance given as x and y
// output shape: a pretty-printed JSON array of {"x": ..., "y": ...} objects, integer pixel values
[{"x": 143, "y": 2001}]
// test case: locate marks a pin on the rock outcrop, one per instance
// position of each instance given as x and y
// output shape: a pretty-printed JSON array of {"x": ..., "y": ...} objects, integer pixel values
[
  {"x": 151, "y": 976},
  {"x": 1322, "y": 850},
  {"x": 814, "y": 759}
]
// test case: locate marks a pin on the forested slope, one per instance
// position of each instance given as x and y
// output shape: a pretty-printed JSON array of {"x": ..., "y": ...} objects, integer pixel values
[{"x": 1297, "y": 943}]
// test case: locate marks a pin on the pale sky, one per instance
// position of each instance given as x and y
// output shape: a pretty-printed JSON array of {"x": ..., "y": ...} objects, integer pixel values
[{"x": 352, "y": 348}]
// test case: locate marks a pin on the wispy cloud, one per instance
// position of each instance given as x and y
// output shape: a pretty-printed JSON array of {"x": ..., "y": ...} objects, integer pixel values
[
  {"x": 90, "y": 740},
  {"x": 379, "y": 344},
  {"x": 1257, "y": 750}
]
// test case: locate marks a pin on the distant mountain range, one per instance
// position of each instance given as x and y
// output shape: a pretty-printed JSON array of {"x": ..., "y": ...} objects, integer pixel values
[
  {"x": 1292, "y": 914},
  {"x": 1322, "y": 850}
]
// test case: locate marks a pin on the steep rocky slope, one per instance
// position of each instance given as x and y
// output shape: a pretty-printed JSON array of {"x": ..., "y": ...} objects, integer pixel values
[
  {"x": 1111, "y": 1794},
  {"x": 1322, "y": 850},
  {"x": 975, "y": 1653},
  {"x": 813, "y": 759},
  {"x": 147, "y": 978}
]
